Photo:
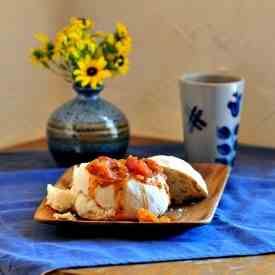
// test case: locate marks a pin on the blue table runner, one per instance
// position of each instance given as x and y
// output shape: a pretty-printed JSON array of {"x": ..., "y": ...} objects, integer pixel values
[{"x": 244, "y": 224}]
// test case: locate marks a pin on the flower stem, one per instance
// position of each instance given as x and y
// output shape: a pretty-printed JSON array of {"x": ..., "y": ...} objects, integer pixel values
[{"x": 65, "y": 77}]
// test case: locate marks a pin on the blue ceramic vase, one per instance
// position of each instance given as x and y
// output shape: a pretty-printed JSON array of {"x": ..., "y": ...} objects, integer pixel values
[{"x": 86, "y": 127}]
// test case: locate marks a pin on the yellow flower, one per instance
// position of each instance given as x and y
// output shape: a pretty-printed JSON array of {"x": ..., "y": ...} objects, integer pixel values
[
  {"x": 121, "y": 63},
  {"x": 42, "y": 38},
  {"x": 85, "y": 23},
  {"x": 123, "y": 40},
  {"x": 74, "y": 35},
  {"x": 60, "y": 41},
  {"x": 91, "y": 72},
  {"x": 74, "y": 39},
  {"x": 60, "y": 37},
  {"x": 47, "y": 46},
  {"x": 73, "y": 51},
  {"x": 92, "y": 47},
  {"x": 110, "y": 38},
  {"x": 124, "y": 46},
  {"x": 121, "y": 30},
  {"x": 86, "y": 56},
  {"x": 86, "y": 42}
]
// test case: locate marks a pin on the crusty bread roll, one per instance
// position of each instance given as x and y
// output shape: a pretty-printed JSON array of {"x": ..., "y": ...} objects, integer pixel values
[{"x": 185, "y": 183}]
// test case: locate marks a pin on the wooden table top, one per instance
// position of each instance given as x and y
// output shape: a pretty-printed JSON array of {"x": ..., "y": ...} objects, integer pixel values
[{"x": 264, "y": 264}]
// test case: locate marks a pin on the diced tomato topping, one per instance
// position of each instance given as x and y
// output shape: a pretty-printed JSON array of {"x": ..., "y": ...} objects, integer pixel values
[
  {"x": 153, "y": 166},
  {"x": 144, "y": 215},
  {"x": 108, "y": 170},
  {"x": 138, "y": 167},
  {"x": 101, "y": 167}
]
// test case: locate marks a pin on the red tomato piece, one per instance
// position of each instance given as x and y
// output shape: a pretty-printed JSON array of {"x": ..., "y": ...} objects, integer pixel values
[
  {"x": 138, "y": 167},
  {"x": 101, "y": 168},
  {"x": 153, "y": 166},
  {"x": 108, "y": 170}
]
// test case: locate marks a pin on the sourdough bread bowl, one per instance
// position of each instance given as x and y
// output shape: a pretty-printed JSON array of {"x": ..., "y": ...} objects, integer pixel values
[{"x": 185, "y": 183}]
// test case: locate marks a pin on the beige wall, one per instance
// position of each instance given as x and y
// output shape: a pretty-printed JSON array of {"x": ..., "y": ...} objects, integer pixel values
[
  {"x": 170, "y": 37},
  {"x": 27, "y": 95}
]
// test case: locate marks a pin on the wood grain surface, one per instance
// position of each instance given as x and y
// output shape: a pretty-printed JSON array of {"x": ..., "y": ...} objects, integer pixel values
[
  {"x": 260, "y": 265},
  {"x": 263, "y": 265},
  {"x": 41, "y": 143}
]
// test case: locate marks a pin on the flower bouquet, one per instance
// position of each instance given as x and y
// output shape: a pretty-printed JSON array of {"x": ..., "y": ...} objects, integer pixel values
[{"x": 84, "y": 56}]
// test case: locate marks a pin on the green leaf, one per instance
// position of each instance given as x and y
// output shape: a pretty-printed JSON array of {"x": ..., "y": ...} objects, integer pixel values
[
  {"x": 38, "y": 53},
  {"x": 50, "y": 46},
  {"x": 110, "y": 66},
  {"x": 109, "y": 48},
  {"x": 99, "y": 52},
  {"x": 72, "y": 64}
]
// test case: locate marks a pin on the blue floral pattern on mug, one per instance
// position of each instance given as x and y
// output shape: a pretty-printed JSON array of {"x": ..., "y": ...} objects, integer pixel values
[
  {"x": 224, "y": 149},
  {"x": 227, "y": 149},
  {"x": 223, "y": 132},
  {"x": 195, "y": 120},
  {"x": 235, "y": 105},
  {"x": 236, "y": 130}
]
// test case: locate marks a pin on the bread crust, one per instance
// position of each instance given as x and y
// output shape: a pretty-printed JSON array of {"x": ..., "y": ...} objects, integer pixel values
[{"x": 185, "y": 183}]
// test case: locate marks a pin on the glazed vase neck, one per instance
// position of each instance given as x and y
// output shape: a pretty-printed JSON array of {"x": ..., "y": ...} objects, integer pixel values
[{"x": 87, "y": 93}]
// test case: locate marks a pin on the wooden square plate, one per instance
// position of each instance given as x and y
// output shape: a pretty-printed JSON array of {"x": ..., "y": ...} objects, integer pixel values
[{"x": 192, "y": 214}]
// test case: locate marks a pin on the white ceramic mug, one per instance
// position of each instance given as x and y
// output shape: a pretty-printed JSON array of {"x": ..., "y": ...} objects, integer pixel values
[{"x": 211, "y": 108}]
